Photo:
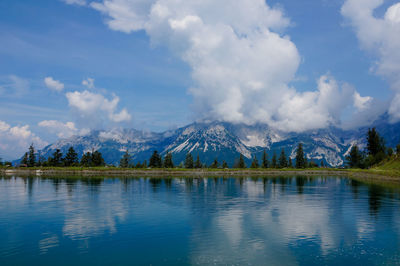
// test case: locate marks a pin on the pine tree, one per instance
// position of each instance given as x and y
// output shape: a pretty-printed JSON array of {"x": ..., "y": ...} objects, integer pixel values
[
  {"x": 305, "y": 161},
  {"x": 224, "y": 165},
  {"x": 282, "y": 160},
  {"x": 254, "y": 163},
  {"x": 241, "y": 163},
  {"x": 197, "y": 163},
  {"x": 300, "y": 162},
  {"x": 97, "y": 159},
  {"x": 86, "y": 160},
  {"x": 290, "y": 163},
  {"x": 322, "y": 164},
  {"x": 215, "y": 164},
  {"x": 265, "y": 162},
  {"x": 354, "y": 159},
  {"x": 24, "y": 160},
  {"x": 375, "y": 143},
  {"x": 31, "y": 156},
  {"x": 189, "y": 161},
  {"x": 168, "y": 162},
  {"x": 398, "y": 149},
  {"x": 71, "y": 158},
  {"x": 390, "y": 151},
  {"x": 274, "y": 163},
  {"x": 56, "y": 159},
  {"x": 125, "y": 160},
  {"x": 155, "y": 160}
]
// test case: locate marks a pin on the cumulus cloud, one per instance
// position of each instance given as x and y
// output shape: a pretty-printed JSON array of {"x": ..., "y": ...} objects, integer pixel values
[
  {"x": 241, "y": 60},
  {"x": 53, "y": 84},
  {"x": 63, "y": 130},
  {"x": 94, "y": 108},
  {"x": 314, "y": 109},
  {"x": 15, "y": 140},
  {"x": 361, "y": 103},
  {"x": 380, "y": 36}
]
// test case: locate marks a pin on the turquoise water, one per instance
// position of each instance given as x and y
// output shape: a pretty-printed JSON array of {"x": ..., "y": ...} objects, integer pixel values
[{"x": 220, "y": 221}]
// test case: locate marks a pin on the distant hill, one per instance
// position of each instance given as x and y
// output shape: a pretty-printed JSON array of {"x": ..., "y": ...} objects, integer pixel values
[{"x": 225, "y": 141}]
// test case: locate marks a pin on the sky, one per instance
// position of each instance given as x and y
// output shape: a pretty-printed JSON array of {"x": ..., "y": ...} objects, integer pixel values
[{"x": 71, "y": 66}]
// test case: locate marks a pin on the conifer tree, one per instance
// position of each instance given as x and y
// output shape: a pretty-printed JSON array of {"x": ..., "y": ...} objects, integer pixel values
[
  {"x": 282, "y": 160},
  {"x": 354, "y": 159},
  {"x": 241, "y": 163},
  {"x": 31, "y": 156},
  {"x": 155, "y": 160},
  {"x": 168, "y": 163},
  {"x": 189, "y": 161},
  {"x": 86, "y": 160},
  {"x": 398, "y": 149},
  {"x": 390, "y": 151},
  {"x": 300, "y": 162},
  {"x": 215, "y": 164},
  {"x": 290, "y": 163},
  {"x": 197, "y": 163},
  {"x": 224, "y": 165},
  {"x": 125, "y": 160},
  {"x": 375, "y": 143},
  {"x": 25, "y": 159},
  {"x": 56, "y": 159},
  {"x": 254, "y": 163},
  {"x": 71, "y": 158},
  {"x": 322, "y": 164},
  {"x": 97, "y": 159},
  {"x": 265, "y": 162},
  {"x": 274, "y": 163}
]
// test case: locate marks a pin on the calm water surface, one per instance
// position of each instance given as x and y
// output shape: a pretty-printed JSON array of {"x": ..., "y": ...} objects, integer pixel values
[{"x": 141, "y": 221}]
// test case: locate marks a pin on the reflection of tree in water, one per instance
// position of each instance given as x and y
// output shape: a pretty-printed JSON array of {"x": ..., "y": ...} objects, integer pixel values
[
  {"x": 189, "y": 183},
  {"x": 28, "y": 181},
  {"x": 92, "y": 182},
  {"x": 155, "y": 183},
  {"x": 375, "y": 194},
  {"x": 168, "y": 182},
  {"x": 283, "y": 182},
  {"x": 300, "y": 182},
  {"x": 241, "y": 181},
  {"x": 56, "y": 183},
  {"x": 355, "y": 185}
]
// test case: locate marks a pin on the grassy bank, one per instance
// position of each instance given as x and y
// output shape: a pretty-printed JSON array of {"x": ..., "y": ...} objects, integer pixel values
[{"x": 375, "y": 173}]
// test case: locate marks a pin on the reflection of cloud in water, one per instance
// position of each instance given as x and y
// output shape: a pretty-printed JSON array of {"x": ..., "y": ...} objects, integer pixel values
[
  {"x": 47, "y": 243},
  {"x": 93, "y": 216},
  {"x": 274, "y": 221},
  {"x": 230, "y": 222}
]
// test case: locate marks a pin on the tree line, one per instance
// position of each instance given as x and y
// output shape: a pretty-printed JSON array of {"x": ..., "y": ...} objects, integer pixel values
[
  {"x": 89, "y": 159},
  {"x": 283, "y": 161},
  {"x": 374, "y": 153}
]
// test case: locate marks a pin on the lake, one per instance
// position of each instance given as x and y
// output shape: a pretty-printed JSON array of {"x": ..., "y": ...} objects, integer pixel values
[{"x": 181, "y": 221}]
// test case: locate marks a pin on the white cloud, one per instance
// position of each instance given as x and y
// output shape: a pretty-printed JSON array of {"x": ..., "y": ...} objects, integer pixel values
[
  {"x": 53, "y": 84},
  {"x": 361, "y": 103},
  {"x": 94, "y": 108},
  {"x": 63, "y": 130},
  {"x": 89, "y": 83},
  {"x": 316, "y": 109},
  {"x": 75, "y": 2},
  {"x": 14, "y": 141},
  {"x": 241, "y": 61},
  {"x": 380, "y": 36}
]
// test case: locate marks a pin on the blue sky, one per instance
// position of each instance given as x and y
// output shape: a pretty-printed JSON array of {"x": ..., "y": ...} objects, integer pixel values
[{"x": 152, "y": 76}]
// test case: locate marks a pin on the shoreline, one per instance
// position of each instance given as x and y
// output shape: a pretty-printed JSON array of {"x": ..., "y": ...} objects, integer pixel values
[{"x": 372, "y": 174}]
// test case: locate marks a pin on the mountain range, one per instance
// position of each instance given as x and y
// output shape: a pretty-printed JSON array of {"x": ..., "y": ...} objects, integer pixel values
[{"x": 225, "y": 141}]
